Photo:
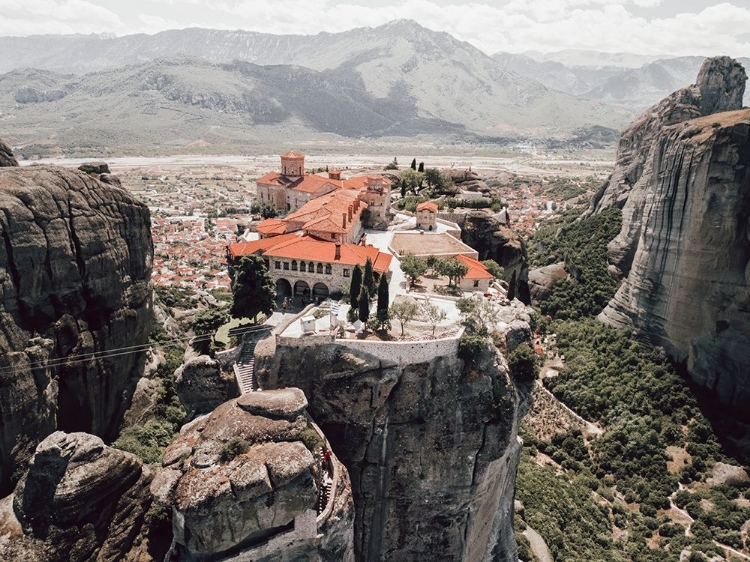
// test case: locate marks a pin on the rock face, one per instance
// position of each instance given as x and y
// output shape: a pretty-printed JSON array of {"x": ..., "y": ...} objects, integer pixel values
[
  {"x": 683, "y": 181},
  {"x": 6, "y": 156},
  {"x": 201, "y": 386},
  {"x": 488, "y": 236},
  {"x": 75, "y": 265},
  {"x": 80, "y": 500},
  {"x": 431, "y": 447},
  {"x": 258, "y": 500}
]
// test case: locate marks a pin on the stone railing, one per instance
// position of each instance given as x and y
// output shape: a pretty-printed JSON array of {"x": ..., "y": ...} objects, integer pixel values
[{"x": 407, "y": 352}]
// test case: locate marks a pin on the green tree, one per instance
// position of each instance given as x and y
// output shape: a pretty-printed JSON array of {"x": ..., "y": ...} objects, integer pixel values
[
  {"x": 392, "y": 165},
  {"x": 364, "y": 304},
  {"x": 421, "y": 167},
  {"x": 453, "y": 269},
  {"x": 481, "y": 315},
  {"x": 433, "y": 177},
  {"x": 368, "y": 279},
  {"x": 404, "y": 311},
  {"x": 355, "y": 286},
  {"x": 383, "y": 296},
  {"x": 495, "y": 269},
  {"x": 403, "y": 188},
  {"x": 522, "y": 363},
  {"x": 433, "y": 314},
  {"x": 414, "y": 164},
  {"x": 413, "y": 267},
  {"x": 253, "y": 290},
  {"x": 206, "y": 323}
]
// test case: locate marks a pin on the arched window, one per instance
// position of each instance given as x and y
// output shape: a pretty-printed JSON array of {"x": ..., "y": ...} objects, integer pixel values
[
  {"x": 328, "y": 269},
  {"x": 320, "y": 268},
  {"x": 302, "y": 266},
  {"x": 294, "y": 265},
  {"x": 311, "y": 267}
]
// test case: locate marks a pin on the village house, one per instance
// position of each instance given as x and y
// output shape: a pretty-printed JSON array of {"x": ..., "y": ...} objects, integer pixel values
[
  {"x": 477, "y": 277},
  {"x": 307, "y": 268}
]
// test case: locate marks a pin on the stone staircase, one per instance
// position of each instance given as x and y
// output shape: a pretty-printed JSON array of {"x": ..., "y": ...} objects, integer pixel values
[{"x": 244, "y": 368}]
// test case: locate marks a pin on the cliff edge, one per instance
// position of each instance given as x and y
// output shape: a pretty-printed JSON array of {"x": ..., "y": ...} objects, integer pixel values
[
  {"x": 682, "y": 179},
  {"x": 75, "y": 266}
]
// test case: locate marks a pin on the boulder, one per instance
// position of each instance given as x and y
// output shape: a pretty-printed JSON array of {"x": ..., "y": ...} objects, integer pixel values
[
  {"x": 201, "y": 385},
  {"x": 6, "y": 156},
  {"x": 542, "y": 279},
  {"x": 79, "y": 500},
  {"x": 724, "y": 474}
]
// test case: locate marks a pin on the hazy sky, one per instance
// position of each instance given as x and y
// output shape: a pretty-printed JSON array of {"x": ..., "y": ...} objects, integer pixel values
[{"x": 681, "y": 27}]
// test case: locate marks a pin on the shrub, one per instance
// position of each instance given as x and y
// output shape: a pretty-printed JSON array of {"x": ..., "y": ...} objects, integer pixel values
[
  {"x": 522, "y": 362},
  {"x": 234, "y": 447}
]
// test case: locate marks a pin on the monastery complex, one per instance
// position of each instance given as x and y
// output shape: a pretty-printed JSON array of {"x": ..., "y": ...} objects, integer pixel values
[{"x": 312, "y": 249}]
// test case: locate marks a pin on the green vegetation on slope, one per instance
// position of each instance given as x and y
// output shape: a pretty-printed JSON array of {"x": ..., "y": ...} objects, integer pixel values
[
  {"x": 583, "y": 247},
  {"x": 618, "y": 496}
]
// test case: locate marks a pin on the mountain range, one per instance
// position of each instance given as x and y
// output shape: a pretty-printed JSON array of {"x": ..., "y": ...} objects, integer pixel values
[{"x": 181, "y": 89}]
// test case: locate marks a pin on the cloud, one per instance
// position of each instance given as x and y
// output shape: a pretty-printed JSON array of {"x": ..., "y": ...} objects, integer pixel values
[
  {"x": 515, "y": 26},
  {"x": 56, "y": 16}
]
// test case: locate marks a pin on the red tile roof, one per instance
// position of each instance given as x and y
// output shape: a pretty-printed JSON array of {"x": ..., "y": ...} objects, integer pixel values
[
  {"x": 306, "y": 248},
  {"x": 428, "y": 206},
  {"x": 292, "y": 154},
  {"x": 271, "y": 227},
  {"x": 476, "y": 269},
  {"x": 246, "y": 248}
]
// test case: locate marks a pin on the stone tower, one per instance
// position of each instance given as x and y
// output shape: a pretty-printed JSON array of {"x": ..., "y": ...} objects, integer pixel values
[{"x": 293, "y": 164}]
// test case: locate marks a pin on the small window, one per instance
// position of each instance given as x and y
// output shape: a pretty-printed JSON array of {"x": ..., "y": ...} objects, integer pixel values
[
  {"x": 333, "y": 235},
  {"x": 320, "y": 268},
  {"x": 311, "y": 267},
  {"x": 286, "y": 265},
  {"x": 346, "y": 273},
  {"x": 476, "y": 283},
  {"x": 277, "y": 265},
  {"x": 302, "y": 266},
  {"x": 328, "y": 269},
  {"x": 294, "y": 265}
]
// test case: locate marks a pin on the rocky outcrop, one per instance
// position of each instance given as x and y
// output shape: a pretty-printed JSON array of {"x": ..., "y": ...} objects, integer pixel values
[
  {"x": 6, "y": 156},
  {"x": 80, "y": 500},
  {"x": 495, "y": 241},
  {"x": 32, "y": 95},
  {"x": 201, "y": 385},
  {"x": 431, "y": 447},
  {"x": 683, "y": 181},
  {"x": 542, "y": 279},
  {"x": 244, "y": 485},
  {"x": 75, "y": 266}
]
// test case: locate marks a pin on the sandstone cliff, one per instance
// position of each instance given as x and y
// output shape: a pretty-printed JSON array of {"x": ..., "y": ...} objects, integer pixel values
[
  {"x": 243, "y": 485},
  {"x": 75, "y": 265},
  {"x": 80, "y": 500},
  {"x": 683, "y": 180},
  {"x": 431, "y": 446}
]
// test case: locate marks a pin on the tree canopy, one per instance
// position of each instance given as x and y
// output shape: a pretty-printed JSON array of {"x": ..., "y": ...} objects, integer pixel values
[
  {"x": 253, "y": 289},
  {"x": 404, "y": 311},
  {"x": 413, "y": 267}
]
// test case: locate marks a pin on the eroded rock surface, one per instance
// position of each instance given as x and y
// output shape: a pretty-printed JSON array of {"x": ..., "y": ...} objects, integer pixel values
[
  {"x": 683, "y": 180},
  {"x": 80, "y": 500},
  {"x": 243, "y": 483},
  {"x": 542, "y": 279},
  {"x": 6, "y": 156},
  {"x": 431, "y": 447},
  {"x": 202, "y": 386},
  {"x": 75, "y": 266}
]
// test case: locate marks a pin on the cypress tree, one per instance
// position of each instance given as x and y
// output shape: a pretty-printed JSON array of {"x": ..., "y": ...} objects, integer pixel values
[
  {"x": 383, "y": 297},
  {"x": 369, "y": 278},
  {"x": 364, "y": 305},
  {"x": 355, "y": 286},
  {"x": 403, "y": 188},
  {"x": 414, "y": 164},
  {"x": 421, "y": 167}
]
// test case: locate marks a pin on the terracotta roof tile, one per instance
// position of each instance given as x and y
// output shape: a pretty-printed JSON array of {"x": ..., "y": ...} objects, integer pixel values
[
  {"x": 476, "y": 269},
  {"x": 428, "y": 206}
]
